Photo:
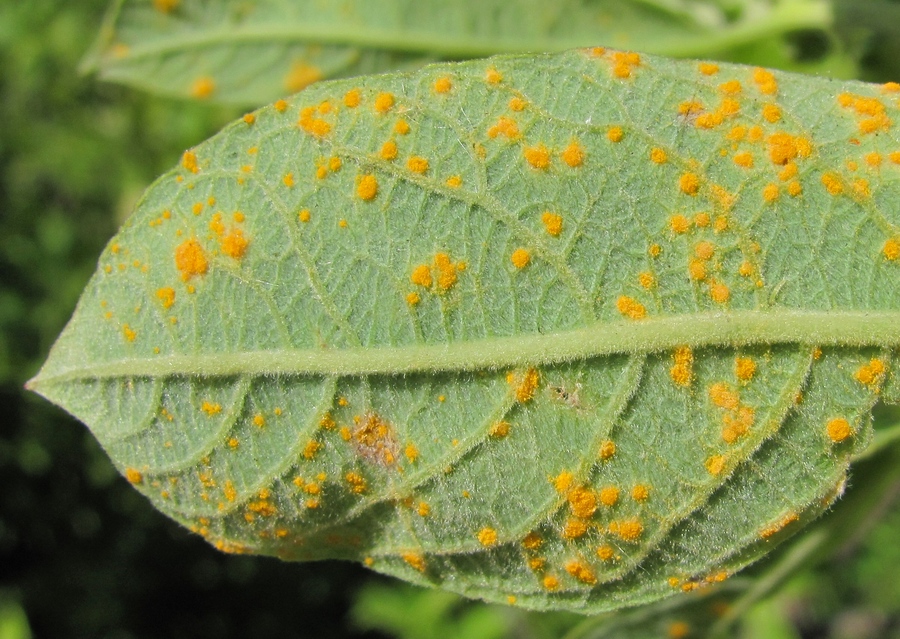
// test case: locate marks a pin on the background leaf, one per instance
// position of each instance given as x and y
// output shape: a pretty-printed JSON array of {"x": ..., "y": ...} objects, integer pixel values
[
  {"x": 340, "y": 326},
  {"x": 250, "y": 53}
]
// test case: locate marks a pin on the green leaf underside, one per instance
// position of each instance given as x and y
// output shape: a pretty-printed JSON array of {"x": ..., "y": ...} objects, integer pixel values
[
  {"x": 309, "y": 394},
  {"x": 251, "y": 53}
]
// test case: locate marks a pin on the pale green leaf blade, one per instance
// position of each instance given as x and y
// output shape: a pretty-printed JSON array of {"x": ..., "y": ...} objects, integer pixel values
[
  {"x": 252, "y": 53},
  {"x": 575, "y": 331}
]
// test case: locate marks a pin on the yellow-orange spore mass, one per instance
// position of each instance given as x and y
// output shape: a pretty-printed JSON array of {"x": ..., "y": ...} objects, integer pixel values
[
  {"x": 506, "y": 127},
  {"x": 189, "y": 161},
  {"x": 715, "y": 464},
  {"x": 573, "y": 155},
  {"x": 770, "y": 193},
  {"x": 743, "y": 159},
  {"x": 582, "y": 502},
  {"x": 681, "y": 371},
  {"x": 658, "y": 155},
  {"x": 442, "y": 85},
  {"x": 615, "y": 134},
  {"x": 532, "y": 541},
  {"x": 352, "y": 98},
  {"x": 487, "y": 537},
  {"x": 552, "y": 223},
  {"x": 520, "y": 258},
  {"x": 689, "y": 183},
  {"x": 609, "y": 496},
  {"x": 492, "y": 76},
  {"x": 640, "y": 492},
  {"x": 606, "y": 552},
  {"x": 517, "y": 104},
  {"x": 537, "y": 156},
  {"x": 499, "y": 429},
  {"x": 765, "y": 81},
  {"x": 891, "y": 249},
  {"x": 607, "y": 450},
  {"x": 166, "y": 296},
  {"x": 744, "y": 368},
  {"x": 384, "y": 102},
  {"x": 311, "y": 124},
  {"x": 832, "y": 183},
  {"x": 574, "y": 529},
  {"x": 357, "y": 482},
  {"x": 722, "y": 396},
  {"x": 235, "y": 245},
  {"x": 190, "y": 259},
  {"x": 525, "y": 385},
  {"x": 838, "y": 429},
  {"x": 582, "y": 572},
  {"x": 631, "y": 308},
  {"x": 414, "y": 559},
  {"x": 300, "y": 76},
  {"x": 628, "y": 530},
  {"x": 417, "y": 164},
  {"x": 367, "y": 187},
  {"x": 421, "y": 276},
  {"x": 563, "y": 481},
  {"x": 550, "y": 583},
  {"x": 771, "y": 113},
  {"x": 708, "y": 68},
  {"x": 203, "y": 88},
  {"x": 679, "y": 224},
  {"x": 719, "y": 292}
]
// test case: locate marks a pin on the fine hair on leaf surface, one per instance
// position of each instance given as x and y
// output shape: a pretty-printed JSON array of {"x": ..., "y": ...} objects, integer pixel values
[{"x": 574, "y": 331}]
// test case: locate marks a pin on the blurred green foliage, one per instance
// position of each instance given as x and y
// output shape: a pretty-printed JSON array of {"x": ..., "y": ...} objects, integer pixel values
[{"x": 83, "y": 555}]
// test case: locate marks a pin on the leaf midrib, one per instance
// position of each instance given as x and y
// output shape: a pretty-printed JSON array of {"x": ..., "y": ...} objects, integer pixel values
[{"x": 847, "y": 328}]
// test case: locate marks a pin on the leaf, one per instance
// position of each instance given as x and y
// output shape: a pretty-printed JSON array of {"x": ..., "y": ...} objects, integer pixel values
[
  {"x": 573, "y": 331},
  {"x": 252, "y": 53}
]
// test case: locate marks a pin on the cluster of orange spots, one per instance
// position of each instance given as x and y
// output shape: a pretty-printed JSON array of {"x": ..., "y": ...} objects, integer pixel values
[
  {"x": 189, "y": 161},
  {"x": 203, "y": 87},
  {"x": 525, "y": 384},
  {"x": 582, "y": 572},
  {"x": 506, "y": 127},
  {"x": 784, "y": 147},
  {"x": 563, "y": 481},
  {"x": 573, "y": 155},
  {"x": 249, "y": 118},
  {"x": 832, "y": 183},
  {"x": 582, "y": 501},
  {"x": 658, "y": 155},
  {"x": 411, "y": 452},
  {"x": 607, "y": 450},
  {"x": 744, "y": 368},
  {"x": 606, "y": 552},
  {"x": 417, "y": 164},
  {"x": 690, "y": 107},
  {"x": 233, "y": 443},
  {"x": 235, "y": 244},
  {"x": 134, "y": 476},
  {"x": 367, "y": 187},
  {"x": 442, "y": 85},
  {"x": 492, "y": 76},
  {"x": 771, "y": 113},
  {"x": 689, "y": 183},
  {"x": 300, "y": 76},
  {"x": 731, "y": 87},
  {"x": 374, "y": 439},
  {"x": 654, "y": 250},
  {"x": 682, "y": 370},
  {"x": 552, "y": 223},
  {"x": 413, "y": 298},
  {"x": 736, "y": 423},
  {"x": 719, "y": 292},
  {"x": 537, "y": 563},
  {"x": 640, "y": 492},
  {"x": 352, "y": 98},
  {"x": 499, "y": 429},
  {"x": 574, "y": 529},
  {"x": 333, "y": 164},
  {"x": 765, "y": 81},
  {"x": 624, "y": 63},
  {"x": 263, "y": 507},
  {"x": 779, "y": 525},
  {"x": 715, "y": 464},
  {"x": 723, "y": 396},
  {"x": 631, "y": 308},
  {"x": 646, "y": 279},
  {"x": 770, "y": 192},
  {"x": 443, "y": 270},
  {"x": 627, "y": 530},
  {"x": 609, "y": 496},
  {"x": 550, "y": 583},
  {"x": 384, "y": 102},
  {"x": 891, "y": 249},
  {"x": 312, "y": 447},
  {"x": 288, "y": 180},
  {"x": 789, "y": 171},
  {"x": 870, "y": 111},
  {"x": 708, "y": 68},
  {"x": 487, "y": 537},
  {"x": 259, "y": 420},
  {"x": 281, "y": 106},
  {"x": 229, "y": 491},
  {"x": 454, "y": 181},
  {"x": 517, "y": 104},
  {"x": 357, "y": 482},
  {"x": 401, "y": 127},
  {"x": 423, "y": 509},
  {"x": 520, "y": 258},
  {"x": 838, "y": 429},
  {"x": 414, "y": 559},
  {"x": 615, "y": 134},
  {"x": 743, "y": 159},
  {"x": 679, "y": 224},
  {"x": 537, "y": 156},
  {"x": 532, "y": 541},
  {"x": 311, "y": 124},
  {"x": 388, "y": 151}
]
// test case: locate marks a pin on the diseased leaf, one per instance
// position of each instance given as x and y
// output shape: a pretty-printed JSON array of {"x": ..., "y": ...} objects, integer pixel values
[
  {"x": 572, "y": 331},
  {"x": 251, "y": 53}
]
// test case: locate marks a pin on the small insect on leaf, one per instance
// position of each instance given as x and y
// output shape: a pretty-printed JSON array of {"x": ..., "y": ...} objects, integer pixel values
[{"x": 436, "y": 324}]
